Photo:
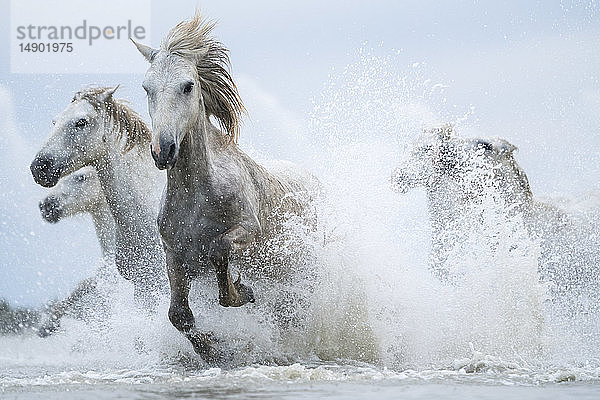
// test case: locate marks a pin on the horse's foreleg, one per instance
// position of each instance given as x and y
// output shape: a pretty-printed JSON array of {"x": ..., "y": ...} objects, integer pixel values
[
  {"x": 180, "y": 313},
  {"x": 60, "y": 309},
  {"x": 231, "y": 293}
]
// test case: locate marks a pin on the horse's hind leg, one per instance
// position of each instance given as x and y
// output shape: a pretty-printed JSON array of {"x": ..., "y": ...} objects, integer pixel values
[
  {"x": 180, "y": 313},
  {"x": 231, "y": 293}
]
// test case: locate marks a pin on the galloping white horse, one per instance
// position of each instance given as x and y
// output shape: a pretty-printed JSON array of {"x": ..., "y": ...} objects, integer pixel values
[
  {"x": 457, "y": 172},
  {"x": 77, "y": 193},
  {"x": 96, "y": 129},
  {"x": 81, "y": 192},
  {"x": 218, "y": 201},
  {"x": 454, "y": 171}
]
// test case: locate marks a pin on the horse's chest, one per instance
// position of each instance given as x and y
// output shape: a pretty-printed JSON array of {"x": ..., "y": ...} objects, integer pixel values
[{"x": 187, "y": 228}]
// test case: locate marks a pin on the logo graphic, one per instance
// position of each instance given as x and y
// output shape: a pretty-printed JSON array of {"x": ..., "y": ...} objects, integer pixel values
[{"x": 78, "y": 36}]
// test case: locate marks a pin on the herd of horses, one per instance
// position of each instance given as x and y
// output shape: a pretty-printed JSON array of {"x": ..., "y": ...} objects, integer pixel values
[{"x": 214, "y": 202}]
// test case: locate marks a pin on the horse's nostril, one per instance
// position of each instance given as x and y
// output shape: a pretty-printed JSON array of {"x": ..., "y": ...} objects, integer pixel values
[
  {"x": 171, "y": 151},
  {"x": 45, "y": 164},
  {"x": 50, "y": 209},
  {"x": 167, "y": 155},
  {"x": 49, "y": 204},
  {"x": 40, "y": 164},
  {"x": 45, "y": 170},
  {"x": 154, "y": 156}
]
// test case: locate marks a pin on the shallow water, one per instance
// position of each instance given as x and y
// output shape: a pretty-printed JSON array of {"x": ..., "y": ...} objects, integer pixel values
[{"x": 308, "y": 381}]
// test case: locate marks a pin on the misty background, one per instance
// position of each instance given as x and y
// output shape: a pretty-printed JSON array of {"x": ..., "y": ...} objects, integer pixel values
[{"x": 527, "y": 71}]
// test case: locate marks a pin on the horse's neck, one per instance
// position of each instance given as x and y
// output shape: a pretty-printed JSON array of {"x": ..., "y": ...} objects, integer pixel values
[
  {"x": 104, "y": 224},
  {"x": 206, "y": 167},
  {"x": 518, "y": 193},
  {"x": 192, "y": 169},
  {"x": 444, "y": 206},
  {"x": 127, "y": 185}
]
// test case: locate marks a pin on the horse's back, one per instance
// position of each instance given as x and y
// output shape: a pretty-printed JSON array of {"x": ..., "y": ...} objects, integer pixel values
[{"x": 293, "y": 177}]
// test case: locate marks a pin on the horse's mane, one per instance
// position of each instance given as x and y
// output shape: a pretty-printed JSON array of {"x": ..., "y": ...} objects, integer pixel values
[
  {"x": 443, "y": 131},
  {"x": 125, "y": 121},
  {"x": 192, "y": 40},
  {"x": 520, "y": 177},
  {"x": 504, "y": 148}
]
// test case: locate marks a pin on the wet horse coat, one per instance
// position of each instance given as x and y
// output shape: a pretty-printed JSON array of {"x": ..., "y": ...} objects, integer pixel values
[
  {"x": 80, "y": 192},
  {"x": 458, "y": 172},
  {"x": 96, "y": 129},
  {"x": 218, "y": 200}
]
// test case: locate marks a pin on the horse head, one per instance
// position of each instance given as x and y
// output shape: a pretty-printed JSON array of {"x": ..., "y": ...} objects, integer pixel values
[
  {"x": 418, "y": 166},
  {"x": 77, "y": 138},
  {"x": 187, "y": 82},
  {"x": 440, "y": 156},
  {"x": 85, "y": 132},
  {"x": 76, "y": 193}
]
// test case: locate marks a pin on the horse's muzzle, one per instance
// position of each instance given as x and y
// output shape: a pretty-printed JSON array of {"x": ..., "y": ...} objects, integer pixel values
[
  {"x": 45, "y": 171},
  {"x": 50, "y": 209},
  {"x": 167, "y": 157}
]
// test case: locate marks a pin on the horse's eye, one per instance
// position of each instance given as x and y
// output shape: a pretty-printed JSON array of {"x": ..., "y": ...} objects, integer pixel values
[
  {"x": 485, "y": 145},
  {"x": 188, "y": 87},
  {"x": 53, "y": 122},
  {"x": 81, "y": 123}
]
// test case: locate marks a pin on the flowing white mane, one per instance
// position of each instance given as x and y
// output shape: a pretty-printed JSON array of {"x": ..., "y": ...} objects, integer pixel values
[
  {"x": 125, "y": 121},
  {"x": 192, "y": 40}
]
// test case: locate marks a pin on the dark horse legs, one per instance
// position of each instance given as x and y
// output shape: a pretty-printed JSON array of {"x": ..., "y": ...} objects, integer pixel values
[
  {"x": 231, "y": 294},
  {"x": 180, "y": 314}
]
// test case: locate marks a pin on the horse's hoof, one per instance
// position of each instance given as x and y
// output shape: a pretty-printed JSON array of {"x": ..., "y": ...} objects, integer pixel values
[
  {"x": 204, "y": 346},
  {"x": 244, "y": 295},
  {"x": 212, "y": 355}
]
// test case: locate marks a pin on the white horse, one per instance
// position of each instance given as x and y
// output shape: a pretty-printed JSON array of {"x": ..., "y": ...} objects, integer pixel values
[
  {"x": 77, "y": 193},
  {"x": 451, "y": 170},
  {"x": 97, "y": 130},
  {"x": 218, "y": 201},
  {"x": 457, "y": 173}
]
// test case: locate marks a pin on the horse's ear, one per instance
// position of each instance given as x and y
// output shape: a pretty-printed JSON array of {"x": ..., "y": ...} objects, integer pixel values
[
  {"x": 107, "y": 94},
  {"x": 506, "y": 147},
  {"x": 443, "y": 132},
  {"x": 148, "y": 52}
]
